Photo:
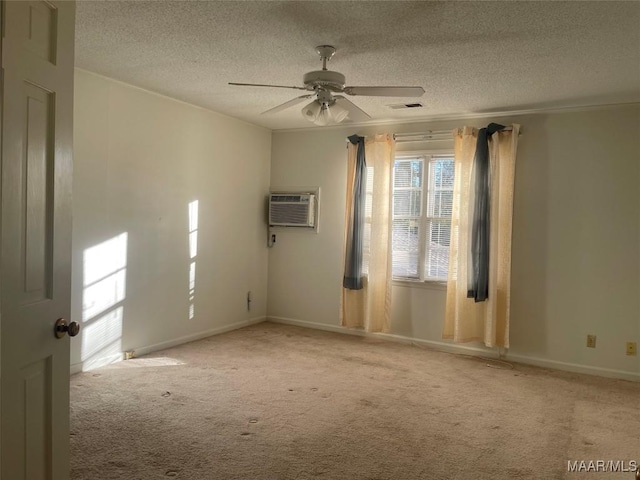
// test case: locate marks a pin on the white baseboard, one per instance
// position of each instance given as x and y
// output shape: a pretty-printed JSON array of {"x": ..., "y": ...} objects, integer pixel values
[
  {"x": 575, "y": 367},
  {"x": 197, "y": 336},
  {"x": 436, "y": 345},
  {"x": 144, "y": 350},
  {"x": 466, "y": 350},
  {"x": 442, "y": 346}
]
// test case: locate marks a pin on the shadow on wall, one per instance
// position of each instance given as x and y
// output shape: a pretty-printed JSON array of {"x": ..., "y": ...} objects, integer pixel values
[
  {"x": 532, "y": 263},
  {"x": 103, "y": 292}
]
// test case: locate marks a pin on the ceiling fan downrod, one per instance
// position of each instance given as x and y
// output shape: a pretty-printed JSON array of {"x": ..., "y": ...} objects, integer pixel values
[{"x": 325, "y": 52}]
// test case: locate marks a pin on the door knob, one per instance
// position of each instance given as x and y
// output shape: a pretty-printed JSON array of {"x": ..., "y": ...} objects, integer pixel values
[{"x": 61, "y": 328}]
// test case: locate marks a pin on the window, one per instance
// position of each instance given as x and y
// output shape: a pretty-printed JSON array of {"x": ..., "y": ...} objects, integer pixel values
[
  {"x": 422, "y": 202},
  {"x": 368, "y": 208}
]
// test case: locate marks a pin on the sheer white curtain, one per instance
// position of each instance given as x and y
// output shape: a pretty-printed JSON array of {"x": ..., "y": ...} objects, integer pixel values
[
  {"x": 370, "y": 307},
  {"x": 487, "y": 321}
]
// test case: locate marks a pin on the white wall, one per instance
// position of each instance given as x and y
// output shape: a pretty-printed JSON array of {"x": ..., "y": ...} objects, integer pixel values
[
  {"x": 576, "y": 239},
  {"x": 140, "y": 160}
]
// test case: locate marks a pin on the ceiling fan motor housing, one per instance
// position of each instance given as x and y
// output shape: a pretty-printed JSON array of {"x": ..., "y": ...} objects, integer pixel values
[
  {"x": 325, "y": 98},
  {"x": 326, "y": 79}
]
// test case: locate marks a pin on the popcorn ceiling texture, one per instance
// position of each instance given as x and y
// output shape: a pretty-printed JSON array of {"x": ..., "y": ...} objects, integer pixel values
[
  {"x": 278, "y": 402},
  {"x": 471, "y": 57}
]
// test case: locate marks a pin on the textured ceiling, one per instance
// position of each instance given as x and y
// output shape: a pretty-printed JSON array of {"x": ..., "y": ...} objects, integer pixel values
[{"x": 470, "y": 57}]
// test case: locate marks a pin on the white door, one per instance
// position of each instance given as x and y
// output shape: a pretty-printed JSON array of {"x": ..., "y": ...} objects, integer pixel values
[{"x": 35, "y": 239}]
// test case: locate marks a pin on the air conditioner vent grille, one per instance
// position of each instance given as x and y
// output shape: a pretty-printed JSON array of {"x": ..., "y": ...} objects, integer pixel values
[
  {"x": 290, "y": 198},
  {"x": 292, "y": 210},
  {"x": 287, "y": 213}
]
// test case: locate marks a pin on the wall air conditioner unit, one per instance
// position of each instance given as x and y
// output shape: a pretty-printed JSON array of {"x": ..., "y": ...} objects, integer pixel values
[{"x": 292, "y": 210}]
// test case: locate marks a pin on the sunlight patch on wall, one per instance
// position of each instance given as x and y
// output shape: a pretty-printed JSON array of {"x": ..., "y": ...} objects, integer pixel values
[
  {"x": 106, "y": 258},
  {"x": 104, "y": 291},
  {"x": 193, "y": 252},
  {"x": 102, "y": 332},
  {"x": 103, "y": 294},
  {"x": 102, "y": 340},
  {"x": 193, "y": 229}
]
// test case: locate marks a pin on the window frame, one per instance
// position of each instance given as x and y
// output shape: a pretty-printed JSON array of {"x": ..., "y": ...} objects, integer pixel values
[{"x": 427, "y": 157}]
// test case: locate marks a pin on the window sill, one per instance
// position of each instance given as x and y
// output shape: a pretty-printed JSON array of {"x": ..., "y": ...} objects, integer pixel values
[{"x": 428, "y": 284}]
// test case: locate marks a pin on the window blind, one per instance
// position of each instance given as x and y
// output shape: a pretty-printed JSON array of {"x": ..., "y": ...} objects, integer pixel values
[{"x": 422, "y": 204}]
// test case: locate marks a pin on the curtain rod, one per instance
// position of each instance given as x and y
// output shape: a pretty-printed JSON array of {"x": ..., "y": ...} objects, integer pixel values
[
  {"x": 423, "y": 137},
  {"x": 431, "y": 135},
  {"x": 428, "y": 136}
]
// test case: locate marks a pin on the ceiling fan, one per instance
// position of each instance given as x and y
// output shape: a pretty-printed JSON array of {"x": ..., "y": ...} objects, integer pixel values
[{"x": 327, "y": 107}]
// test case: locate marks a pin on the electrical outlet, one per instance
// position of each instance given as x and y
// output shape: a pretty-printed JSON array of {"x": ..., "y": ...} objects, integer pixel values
[
  {"x": 632, "y": 348},
  {"x": 591, "y": 341}
]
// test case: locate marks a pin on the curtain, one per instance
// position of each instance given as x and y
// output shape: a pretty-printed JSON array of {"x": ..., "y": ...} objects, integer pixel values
[
  {"x": 356, "y": 182},
  {"x": 466, "y": 319},
  {"x": 369, "y": 307},
  {"x": 480, "y": 197}
]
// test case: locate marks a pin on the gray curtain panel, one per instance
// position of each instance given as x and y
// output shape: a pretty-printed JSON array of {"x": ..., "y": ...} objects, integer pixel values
[
  {"x": 353, "y": 264},
  {"x": 478, "y": 278}
]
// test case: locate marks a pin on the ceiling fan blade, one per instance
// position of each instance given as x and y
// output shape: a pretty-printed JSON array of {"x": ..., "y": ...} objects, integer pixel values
[
  {"x": 288, "y": 104},
  {"x": 356, "y": 114},
  {"x": 385, "y": 91},
  {"x": 263, "y": 85}
]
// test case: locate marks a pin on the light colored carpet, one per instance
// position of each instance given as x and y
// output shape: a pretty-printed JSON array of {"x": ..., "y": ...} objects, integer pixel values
[{"x": 274, "y": 402}]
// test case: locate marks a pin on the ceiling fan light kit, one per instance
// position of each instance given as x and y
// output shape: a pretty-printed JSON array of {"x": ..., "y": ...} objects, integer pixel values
[
  {"x": 327, "y": 108},
  {"x": 324, "y": 110},
  {"x": 311, "y": 111},
  {"x": 324, "y": 114},
  {"x": 338, "y": 112}
]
